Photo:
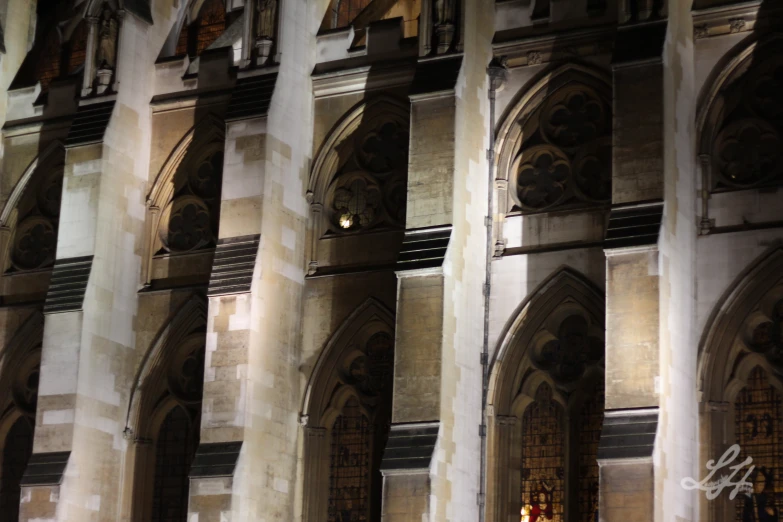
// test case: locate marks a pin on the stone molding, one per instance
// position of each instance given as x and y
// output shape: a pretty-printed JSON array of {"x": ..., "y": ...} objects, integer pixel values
[
  {"x": 410, "y": 448},
  {"x": 726, "y": 19},
  {"x": 45, "y": 469},
  {"x": 628, "y": 434},
  {"x": 233, "y": 265},
  {"x": 68, "y": 285}
]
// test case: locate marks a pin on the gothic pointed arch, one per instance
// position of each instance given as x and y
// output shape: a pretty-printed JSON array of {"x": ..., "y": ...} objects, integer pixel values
[
  {"x": 183, "y": 205},
  {"x": 740, "y": 378},
  {"x": 19, "y": 370},
  {"x": 546, "y": 401},
  {"x": 739, "y": 120},
  {"x": 30, "y": 218},
  {"x": 346, "y": 416},
  {"x": 358, "y": 182},
  {"x": 553, "y": 146},
  {"x": 163, "y": 417},
  {"x": 199, "y": 24},
  {"x": 59, "y": 48}
]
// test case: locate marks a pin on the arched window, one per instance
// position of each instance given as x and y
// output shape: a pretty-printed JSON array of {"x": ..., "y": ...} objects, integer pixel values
[
  {"x": 758, "y": 426},
  {"x": 16, "y": 452},
  {"x": 548, "y": 402},
  {"x": 166, "y": 420},
  {"x": 37, "y": 217},
  {"x": 543, "y": 457},
  {"x": 174, "y": 451},
  {"x": 19, "y": 398},
  {"x": 741, "y": 121},
  {"x": 358, "y": 436},
  {"x": 349, "y": 417},
  {"x": 555, "y": 145},
  {"x": 190, "y": 221},
  {"x": 742, "y": 393},
  {"x": 204, "y": 30}
]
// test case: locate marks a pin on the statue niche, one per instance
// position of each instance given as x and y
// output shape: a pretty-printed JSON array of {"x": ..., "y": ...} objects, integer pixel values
[
  {"x": 106, "y": 51},
  {"x": 266, "y": 19}
]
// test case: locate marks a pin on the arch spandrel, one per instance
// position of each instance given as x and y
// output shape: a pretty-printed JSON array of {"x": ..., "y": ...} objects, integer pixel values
[
  {"x": 512, "y": 374},
  {"x": 726, "y": 354},
  {"x": 327, "y": 389}
]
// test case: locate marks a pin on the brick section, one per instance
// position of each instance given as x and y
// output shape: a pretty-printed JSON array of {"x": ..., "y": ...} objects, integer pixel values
[
  {"x": 417, "y": 360},
  {"x": 632, "y": 322},
  {"x": 637, "y": 154}
]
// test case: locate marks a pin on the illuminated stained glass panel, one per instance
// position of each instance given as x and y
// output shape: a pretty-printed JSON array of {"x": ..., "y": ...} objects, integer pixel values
[
  {"x": 17, "y": 451},
  {"x": 211, "y": 24},
  {"x": 175, "y": 448},
  {"x": 347, "y": 10},
  {"x": 350, "y": 466},
  {"x": 590, "y": 422},
  {"x": 758, "y": 418},
  {"x": 48, "y": 66},
  {"x": 543, "y": 459}
]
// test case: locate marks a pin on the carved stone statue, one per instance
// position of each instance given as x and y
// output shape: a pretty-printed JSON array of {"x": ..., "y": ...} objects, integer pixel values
[
  {"x": 266, "y": 13},
  {"x": 444, "y": 23},
  {"x": 266, "y": 16},
  {"x": 107, "y": 41}
]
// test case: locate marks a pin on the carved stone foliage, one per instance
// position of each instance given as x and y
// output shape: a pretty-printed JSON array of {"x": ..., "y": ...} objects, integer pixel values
[
  {"x": 565, "y": 155},
  {"x": 370, "y": 189},
  {"x": 748, "y": 137},
  {"x": 766, "y": 336},
  {"x": 371, "y": 372},
  {"x": 189, "y": 222},
  {"x": 567, "y": 351},
  {"x": 35, "y": 238}
]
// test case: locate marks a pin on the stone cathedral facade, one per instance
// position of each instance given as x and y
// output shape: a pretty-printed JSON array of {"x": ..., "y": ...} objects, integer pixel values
[{"x": 390, "y": 260}]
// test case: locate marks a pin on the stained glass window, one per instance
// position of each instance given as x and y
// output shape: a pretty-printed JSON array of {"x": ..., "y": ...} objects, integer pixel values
[
  {"x": 16, "y": 453},
  {"x": 48, "y": 66},
  {"x": 77, "y": 48},
  {"x": 175, "y": 448},
  {"x": 345, "y": 11},
  {"x": 591, "y": 419},
  {"x": 543, "y": 457},
  {"x": 758, "y": 417},
  {"x": 211, "y": 24},
  {"x": 350, "y": 466}
]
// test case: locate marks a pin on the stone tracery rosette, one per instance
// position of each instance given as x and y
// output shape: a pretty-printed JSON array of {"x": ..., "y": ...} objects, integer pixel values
[
  {"x": 565, "y": 152},
  {"x": 188, "y": 222},
  {"x": 35, "y": 237},
  {"x": 370, "y": 189}
]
